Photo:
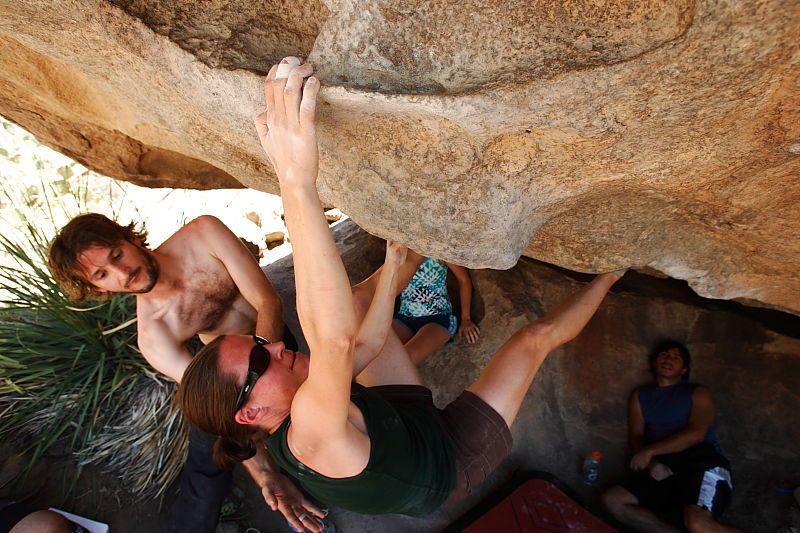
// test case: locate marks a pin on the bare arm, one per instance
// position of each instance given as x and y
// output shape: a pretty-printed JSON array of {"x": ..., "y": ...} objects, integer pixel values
[
  {"x": 279, "y": 491},
  {"x": 324, "y": 300},
  {"x": 161, "y": 349},
  {"x": 378, "y": 320},
  {"x": 635, "y": 423},
  {"x": 467, "y": 328},
  {"x": 700, "y": 419},
  {"x": 246, "y": 274}
]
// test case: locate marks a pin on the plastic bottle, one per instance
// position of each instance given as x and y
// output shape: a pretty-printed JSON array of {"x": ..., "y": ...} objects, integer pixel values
[{"x": 591, "y": 468}]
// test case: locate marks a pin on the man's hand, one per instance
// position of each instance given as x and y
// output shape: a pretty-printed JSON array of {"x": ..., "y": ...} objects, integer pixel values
[
  {"x": 468, "y": 330},
  {"x": 286, "y": 129},
  {"x": 282, "y": 495},
  {"x": 659, "y": 471},
  {"x": 642, "y": 459}
]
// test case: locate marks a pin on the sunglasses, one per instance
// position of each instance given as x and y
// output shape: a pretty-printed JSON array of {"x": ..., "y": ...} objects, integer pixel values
[{"x": 259, "y": 362}]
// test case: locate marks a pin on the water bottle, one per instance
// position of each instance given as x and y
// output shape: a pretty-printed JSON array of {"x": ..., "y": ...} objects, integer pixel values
[{"x": 591, "y": 468}]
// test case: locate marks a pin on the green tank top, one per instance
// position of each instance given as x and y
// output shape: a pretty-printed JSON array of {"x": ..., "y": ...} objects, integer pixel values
[{"x": 411, "y": 468}]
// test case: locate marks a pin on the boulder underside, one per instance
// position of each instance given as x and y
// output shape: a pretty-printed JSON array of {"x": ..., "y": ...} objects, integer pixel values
[{"x": 590, "y": 135}]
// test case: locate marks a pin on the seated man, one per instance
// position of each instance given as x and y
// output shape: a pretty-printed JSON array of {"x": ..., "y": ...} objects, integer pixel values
[
  {"x": 201, "y": 280},
  {"x": 377, "y": 445},
  {"x": 679, "y": 464}
]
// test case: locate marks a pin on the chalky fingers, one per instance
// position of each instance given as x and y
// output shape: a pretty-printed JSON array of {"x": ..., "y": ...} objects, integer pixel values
[
  {"x": 268, "y": 97},
  {"x": 278, "y": 85},
  {"x": 292, "y": 92}
]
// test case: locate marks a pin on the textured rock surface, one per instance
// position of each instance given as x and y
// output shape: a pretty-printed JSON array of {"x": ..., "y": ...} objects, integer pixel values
[
  {"x": 578, "y": 402},
  {"x": 590, "y": 135}
]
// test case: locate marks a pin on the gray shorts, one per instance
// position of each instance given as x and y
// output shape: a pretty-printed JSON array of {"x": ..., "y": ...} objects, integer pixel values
[
  {"x": 482, "y": 440},
  {"x": 480, "y": 436}
]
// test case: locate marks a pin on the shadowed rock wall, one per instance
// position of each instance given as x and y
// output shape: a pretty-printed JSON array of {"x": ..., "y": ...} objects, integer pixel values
[
  {"x": 663, "y": 135},
  {"x": 578, "y": 403}
]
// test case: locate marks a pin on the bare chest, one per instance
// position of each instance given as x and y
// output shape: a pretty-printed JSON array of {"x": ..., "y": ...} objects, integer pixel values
[{"x": 209, "y": 302}]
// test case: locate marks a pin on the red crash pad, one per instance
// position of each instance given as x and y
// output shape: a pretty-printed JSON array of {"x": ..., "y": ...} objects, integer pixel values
[{"x": 537, "y": 506}]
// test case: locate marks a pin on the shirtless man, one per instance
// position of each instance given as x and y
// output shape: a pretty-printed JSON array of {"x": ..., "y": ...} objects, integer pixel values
[{"x": 202, "y": 280}]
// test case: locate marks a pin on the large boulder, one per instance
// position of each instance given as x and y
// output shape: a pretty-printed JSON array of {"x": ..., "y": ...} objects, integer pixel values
[{"x": 662, "y": 135}]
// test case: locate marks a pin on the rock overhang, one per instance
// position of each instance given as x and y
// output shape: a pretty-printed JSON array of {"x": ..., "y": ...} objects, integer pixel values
[{"x": 651, "y": 134}]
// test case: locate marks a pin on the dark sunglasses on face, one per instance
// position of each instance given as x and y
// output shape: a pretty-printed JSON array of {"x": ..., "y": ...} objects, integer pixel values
[{"x": 259, "y": 362}]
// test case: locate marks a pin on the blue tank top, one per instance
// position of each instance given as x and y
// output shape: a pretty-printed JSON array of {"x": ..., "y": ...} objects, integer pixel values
[{"x": 666, "y": 410}]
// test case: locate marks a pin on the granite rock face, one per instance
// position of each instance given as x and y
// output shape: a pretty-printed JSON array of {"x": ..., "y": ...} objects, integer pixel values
[{"x": 590, "y": 135}]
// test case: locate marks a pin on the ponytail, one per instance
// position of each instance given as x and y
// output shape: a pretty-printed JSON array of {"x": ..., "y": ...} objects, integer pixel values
[{"x": 228, "y": 452}]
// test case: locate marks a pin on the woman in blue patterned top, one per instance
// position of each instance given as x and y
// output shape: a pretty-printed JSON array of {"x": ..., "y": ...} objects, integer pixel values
[{"x": 425, "y": 320}]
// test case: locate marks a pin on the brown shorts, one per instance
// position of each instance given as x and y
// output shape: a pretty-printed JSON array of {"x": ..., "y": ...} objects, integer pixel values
[{"x": 480, "y": 436}]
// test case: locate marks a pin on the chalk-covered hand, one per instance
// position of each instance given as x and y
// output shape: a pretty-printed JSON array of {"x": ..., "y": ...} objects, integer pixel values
[
  {"x": 286, "y": 129},
  {"x": 395, "y": 253}
]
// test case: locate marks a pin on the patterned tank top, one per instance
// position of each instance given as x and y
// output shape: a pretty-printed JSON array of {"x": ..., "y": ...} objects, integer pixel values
[{"x": 426, "y": 293}]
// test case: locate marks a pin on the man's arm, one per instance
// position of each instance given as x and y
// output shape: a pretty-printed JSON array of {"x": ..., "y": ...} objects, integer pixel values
[
  {"x": 636, "y": 429},
  {"x": 279, "y": 491},
  {"x": 700, "y": 419},
  {"x": 246, "y": 274},
  {"x": 161, "y": 349},
  {"x": 636, "y": 424},
  {"x": 324, "y": 300}
]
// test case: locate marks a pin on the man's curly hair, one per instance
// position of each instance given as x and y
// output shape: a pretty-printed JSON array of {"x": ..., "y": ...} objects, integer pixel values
[{"x": 81, "y": 233}]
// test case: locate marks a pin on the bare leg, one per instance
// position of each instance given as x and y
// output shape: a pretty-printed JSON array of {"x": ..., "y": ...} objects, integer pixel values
[
  {"x": 428, "y": 339},
  {"x": 625, "y": 507},
  {"x": 403, "y": 333},
  {"x": 43, "y": 522},
  {"x": 392, "y": 365},
  {"x": 508, "y": 376},
  {"x": 698, "y": 520}
]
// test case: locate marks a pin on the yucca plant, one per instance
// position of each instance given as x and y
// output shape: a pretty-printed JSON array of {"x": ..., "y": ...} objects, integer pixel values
[{"x": 73, "y": 376}]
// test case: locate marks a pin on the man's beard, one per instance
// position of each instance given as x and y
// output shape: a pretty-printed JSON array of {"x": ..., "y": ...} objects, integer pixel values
[{"x": 151, "y": 270}]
